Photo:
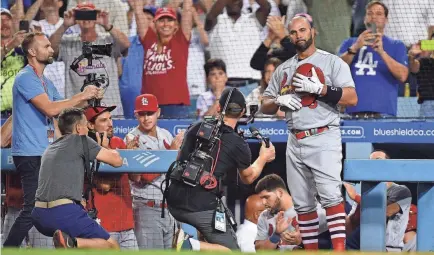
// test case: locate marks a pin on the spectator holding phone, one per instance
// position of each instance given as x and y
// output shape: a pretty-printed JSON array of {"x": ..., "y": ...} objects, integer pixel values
[
  {"x": 67, "y": 47},
  {"x": 378, "y": 64}
]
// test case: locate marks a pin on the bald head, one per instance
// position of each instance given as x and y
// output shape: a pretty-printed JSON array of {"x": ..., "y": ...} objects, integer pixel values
[
  {"x": 301, "y": 32},
  {"x": 379, "y": 155},
  {"x": 253, "y": 208}
]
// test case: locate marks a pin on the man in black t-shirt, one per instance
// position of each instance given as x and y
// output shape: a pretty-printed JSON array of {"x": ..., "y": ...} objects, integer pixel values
[{"x": 196, "y": 205}]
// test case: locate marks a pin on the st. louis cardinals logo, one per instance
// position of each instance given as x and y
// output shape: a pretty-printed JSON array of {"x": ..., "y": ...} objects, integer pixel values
[
  {"x": 144, "y": 101},
  {"x": 270, "y": 229},
  {"x": 285, "y": 88}
]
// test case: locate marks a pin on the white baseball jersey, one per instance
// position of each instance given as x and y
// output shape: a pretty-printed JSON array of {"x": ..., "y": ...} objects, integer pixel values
[
  {"x": 161, "y": 142},
  {"x": 396, "y": 225},
  {"x": 336, "y": 73},
  {"x": 267, "y": 224}
]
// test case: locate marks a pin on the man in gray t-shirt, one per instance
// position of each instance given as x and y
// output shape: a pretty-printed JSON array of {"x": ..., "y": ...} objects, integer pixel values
[
  {"x": 58, "y": 211},
  {"x": 62, "y": 169}
]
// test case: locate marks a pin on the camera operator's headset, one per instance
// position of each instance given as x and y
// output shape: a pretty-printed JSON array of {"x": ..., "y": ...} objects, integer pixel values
[{"x": 207, "y": 181}]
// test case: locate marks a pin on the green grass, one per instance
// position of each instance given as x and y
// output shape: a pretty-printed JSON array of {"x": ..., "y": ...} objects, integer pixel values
[{"x": 159, "y": 252}]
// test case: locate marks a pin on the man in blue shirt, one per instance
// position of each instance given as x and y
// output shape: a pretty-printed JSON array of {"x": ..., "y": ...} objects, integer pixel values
[
  {"x": 36, "y": 103},
  {"x": 378, "y": 65}
]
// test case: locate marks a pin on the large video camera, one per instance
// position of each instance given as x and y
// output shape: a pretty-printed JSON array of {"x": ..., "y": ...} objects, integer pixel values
[
  {"x": 90, "y": 52},
  {"x": 199, "y": 168}
]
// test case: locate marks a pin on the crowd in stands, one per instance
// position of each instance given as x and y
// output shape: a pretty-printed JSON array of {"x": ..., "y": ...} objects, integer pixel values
[
  {"x": 173, "y": 59},
  {"x": 386, "y": 58}
]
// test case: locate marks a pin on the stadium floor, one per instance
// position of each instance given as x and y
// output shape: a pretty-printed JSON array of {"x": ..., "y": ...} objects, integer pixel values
[{"x": 66, "y": 252}]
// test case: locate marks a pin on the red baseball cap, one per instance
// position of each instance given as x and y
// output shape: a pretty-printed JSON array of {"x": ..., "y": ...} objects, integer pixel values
[
  {"x": 85, "y": 6},
  {"x": 146, "y": 103},
  {"x": 165, "y": 12},
  {"x": 92, "y": 112}
]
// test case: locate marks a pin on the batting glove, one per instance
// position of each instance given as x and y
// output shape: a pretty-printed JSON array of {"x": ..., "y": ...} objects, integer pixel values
[
  {"x": 291, "y": 101},
  {"x": 307, "y": 84}
]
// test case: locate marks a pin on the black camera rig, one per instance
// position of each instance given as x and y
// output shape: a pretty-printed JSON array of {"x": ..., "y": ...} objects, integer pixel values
[{"x": 90, "y": 52}]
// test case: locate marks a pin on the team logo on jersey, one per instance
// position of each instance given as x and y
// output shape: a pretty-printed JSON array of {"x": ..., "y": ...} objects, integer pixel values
[
  {"x": 270, "y": 229},
  {"x": 144, "y": 101},
  {"x": 166, "y": 145},
  {"x": 146, "y": 158},
  {"x": 284, "y": 87}
]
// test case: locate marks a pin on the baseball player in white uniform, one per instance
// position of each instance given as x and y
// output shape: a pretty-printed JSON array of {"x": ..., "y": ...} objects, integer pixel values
[
  {"x": 278, "y": 225},
  {"x": 397, "y": 212},
  {"x": 314, "y": 150},
  {"x": 152, "y": 231}
]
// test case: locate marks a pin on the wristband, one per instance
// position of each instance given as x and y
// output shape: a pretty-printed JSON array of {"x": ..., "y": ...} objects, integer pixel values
[
  {"x": 333, "y": 95},
  {"x": 275, "y": 238},
  {"x": 110, "y": 29}
]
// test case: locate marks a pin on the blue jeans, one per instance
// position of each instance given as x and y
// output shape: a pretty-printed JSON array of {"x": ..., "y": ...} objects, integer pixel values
[
  {"x": 69, "y": 218},
  {"x": 28, "y": 168}
]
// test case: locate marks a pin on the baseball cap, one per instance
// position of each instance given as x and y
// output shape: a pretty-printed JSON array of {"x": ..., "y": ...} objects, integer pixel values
[
  {"x": 85, "y": 5},
  {"x": 236, "y": 97},
  {"x": 6, "y": 11},
  {"x": 165, "y": 12},
  {"x": 150, "y": 9},
  {"x": 146, "y": 103},
  {"x": 92, "y": 112}
]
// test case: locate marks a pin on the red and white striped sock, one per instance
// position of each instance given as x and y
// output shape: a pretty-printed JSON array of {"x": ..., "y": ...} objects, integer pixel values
[
  {"x": 309, "y": 224},
  {"x": 336, "y": 224}
]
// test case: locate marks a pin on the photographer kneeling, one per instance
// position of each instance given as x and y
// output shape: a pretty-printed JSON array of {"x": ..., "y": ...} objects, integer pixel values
[
  {"x": 58, "y": 211},
  {"x": 197, "y": 201}
]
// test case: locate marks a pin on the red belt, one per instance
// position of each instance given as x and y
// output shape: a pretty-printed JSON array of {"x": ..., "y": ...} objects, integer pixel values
[
  {"x": 300, "y": 134},
  {"x": 155, "y": 204}
]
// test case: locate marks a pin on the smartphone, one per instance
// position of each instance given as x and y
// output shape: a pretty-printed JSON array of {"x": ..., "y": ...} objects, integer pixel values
[
  {"x": 373, "y": 28},
  {"x": 24, "y": 25},
  {"x": 85, "y": 14},
  {"x": 427, "y": 45}
]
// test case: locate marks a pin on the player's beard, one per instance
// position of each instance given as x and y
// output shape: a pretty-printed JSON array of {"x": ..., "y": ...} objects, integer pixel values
[
  {"x": 305, "y": 46},
  {"x": 47, "y": 61},
  {"x": 276, "y": 207}
]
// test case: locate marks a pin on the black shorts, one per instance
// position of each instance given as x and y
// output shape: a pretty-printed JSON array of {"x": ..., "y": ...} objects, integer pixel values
[{"x": 203, "y": 222}]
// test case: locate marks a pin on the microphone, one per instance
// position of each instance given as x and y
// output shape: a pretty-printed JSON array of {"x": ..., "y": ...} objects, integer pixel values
[{"x": 256, "y": 134}]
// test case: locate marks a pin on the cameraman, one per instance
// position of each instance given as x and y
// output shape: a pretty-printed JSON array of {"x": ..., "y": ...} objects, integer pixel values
[
  {"x": 196, "y": 205},
  {"x": 58, "y": 211}
]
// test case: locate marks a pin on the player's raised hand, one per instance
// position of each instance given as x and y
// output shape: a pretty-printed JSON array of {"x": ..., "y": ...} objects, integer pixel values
[
  {"x": 132, "y": 142},
  {"x": 282, "y": 223},
  {"x": 177, "y": 141},
  {"x": 307, "y": 84},
  {"x": 289, "y": 102}
]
